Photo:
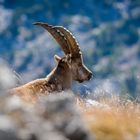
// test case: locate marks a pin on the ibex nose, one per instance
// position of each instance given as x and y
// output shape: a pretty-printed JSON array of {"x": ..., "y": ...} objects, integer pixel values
[{"x": 90, "y": 75}]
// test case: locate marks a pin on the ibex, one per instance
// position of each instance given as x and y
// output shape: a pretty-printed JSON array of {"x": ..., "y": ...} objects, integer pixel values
[{"x": 68, "y": 68}]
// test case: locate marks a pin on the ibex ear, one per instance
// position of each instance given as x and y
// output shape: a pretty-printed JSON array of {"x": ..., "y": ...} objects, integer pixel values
[{"x": 57, "y": 58}]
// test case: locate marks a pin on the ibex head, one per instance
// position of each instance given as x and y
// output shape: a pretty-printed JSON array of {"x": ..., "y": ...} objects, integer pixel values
[{"x": 73, "y": 58}]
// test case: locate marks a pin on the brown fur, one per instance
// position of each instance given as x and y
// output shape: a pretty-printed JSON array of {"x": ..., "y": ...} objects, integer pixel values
[
  {"x": 58, "y": 80},
  {"x": 68, "y": 68}
]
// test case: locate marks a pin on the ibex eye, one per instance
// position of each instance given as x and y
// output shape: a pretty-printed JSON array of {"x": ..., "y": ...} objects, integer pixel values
[{"x": 79, "y": 64}]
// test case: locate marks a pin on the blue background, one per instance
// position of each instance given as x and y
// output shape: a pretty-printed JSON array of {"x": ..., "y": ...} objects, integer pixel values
[{"x": 108, "y": 32}]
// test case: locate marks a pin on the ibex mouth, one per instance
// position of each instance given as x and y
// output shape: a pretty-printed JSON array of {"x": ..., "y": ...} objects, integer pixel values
[
  {"x": 87, "y": 79},
  {"x": 89, "y": 76},
  {"x": 80, "y": 81}
]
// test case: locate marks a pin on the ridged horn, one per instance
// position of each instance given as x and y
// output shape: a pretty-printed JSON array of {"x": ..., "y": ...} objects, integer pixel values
[
  {"x": 71, "y": 41},
  {"x": 58, "y": 36}
]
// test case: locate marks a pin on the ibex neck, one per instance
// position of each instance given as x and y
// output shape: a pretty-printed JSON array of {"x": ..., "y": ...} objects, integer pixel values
[{"x": 60, "y": 81}]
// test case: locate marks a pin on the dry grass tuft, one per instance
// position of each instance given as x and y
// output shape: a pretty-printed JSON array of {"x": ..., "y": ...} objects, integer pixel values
[{"x": 121, "y": 121}]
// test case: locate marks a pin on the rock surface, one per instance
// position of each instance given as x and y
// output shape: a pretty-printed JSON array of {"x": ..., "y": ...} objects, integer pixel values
[{"x": 53, "y": 118}]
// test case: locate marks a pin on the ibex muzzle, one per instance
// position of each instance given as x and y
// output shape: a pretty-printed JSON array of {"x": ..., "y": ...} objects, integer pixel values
[
  {"x": 68, "y": 68},
  {"x": 80, "y": 72}
]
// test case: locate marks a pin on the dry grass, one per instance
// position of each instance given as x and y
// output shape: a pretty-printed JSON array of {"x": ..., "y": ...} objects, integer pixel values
[{"x": 121, "y": 121}]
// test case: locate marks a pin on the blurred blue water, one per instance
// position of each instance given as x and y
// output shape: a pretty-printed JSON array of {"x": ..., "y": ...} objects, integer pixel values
[{"x": 108, "y": 32}]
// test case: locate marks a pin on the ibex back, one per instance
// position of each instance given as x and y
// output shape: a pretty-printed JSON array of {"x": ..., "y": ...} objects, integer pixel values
[{"x": 68, "y": 68}]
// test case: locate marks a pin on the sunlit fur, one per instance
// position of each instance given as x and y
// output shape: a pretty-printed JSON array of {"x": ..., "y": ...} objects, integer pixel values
[
  {"x": 68, "y": 68},
  {"x": 59, "y": 79}
]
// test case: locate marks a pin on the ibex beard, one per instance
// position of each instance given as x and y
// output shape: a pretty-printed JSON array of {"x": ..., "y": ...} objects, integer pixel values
[{"x": 68, "y": 68}]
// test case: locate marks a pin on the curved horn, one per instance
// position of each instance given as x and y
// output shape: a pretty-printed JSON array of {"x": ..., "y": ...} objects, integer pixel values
[
  {"x": 59, "y": 37},
  {"x": 71, "y": 41}
]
